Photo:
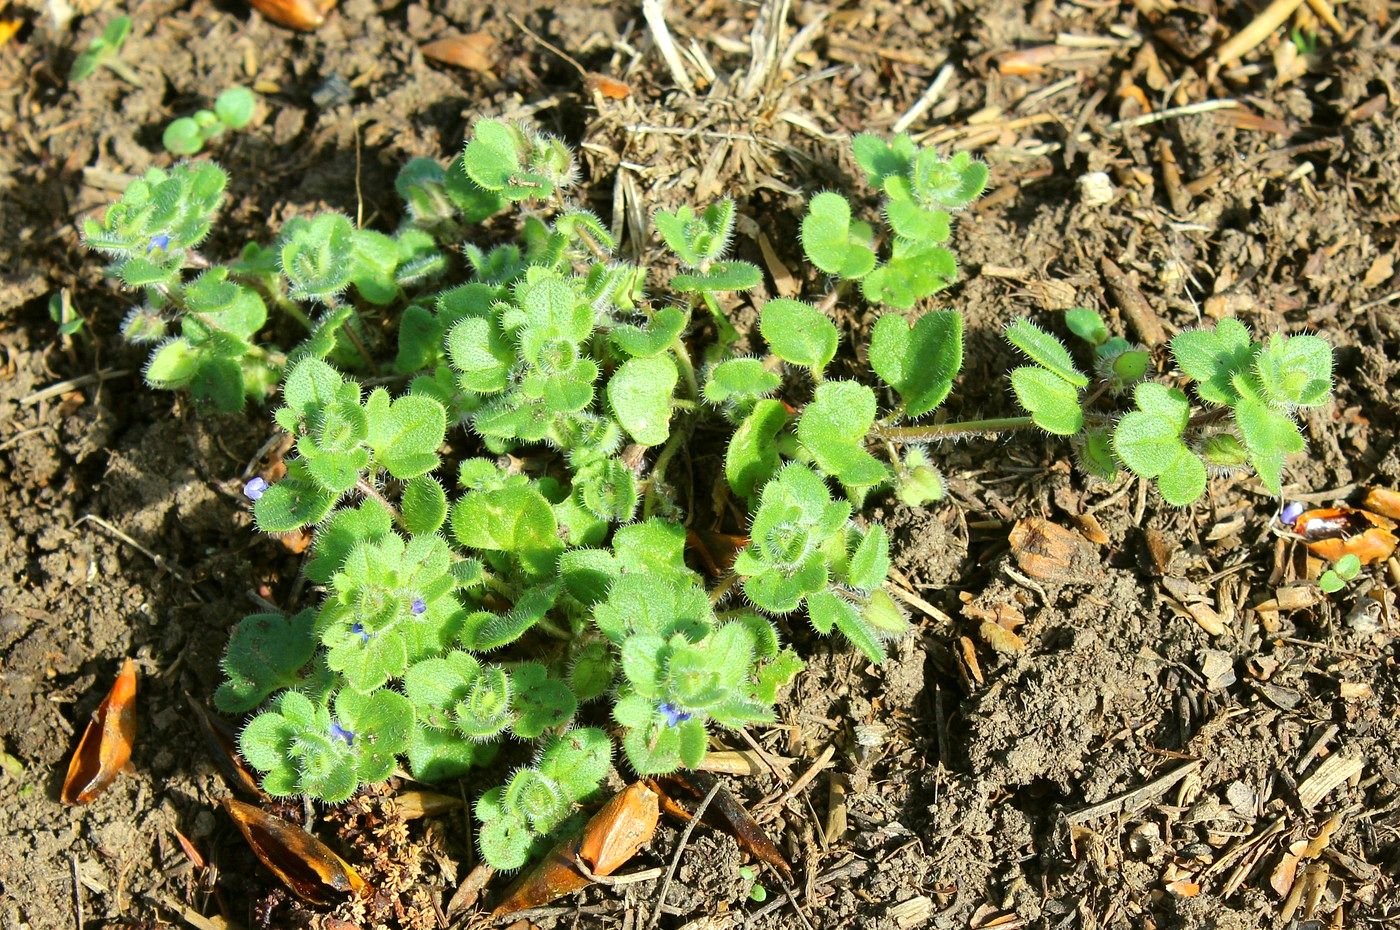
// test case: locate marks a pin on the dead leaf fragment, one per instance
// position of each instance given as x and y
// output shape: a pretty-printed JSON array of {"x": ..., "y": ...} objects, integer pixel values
[
  {"x": 310, "y": 868},
  {"x": 304, "y": 15},
  {"x": 105, "y": 747},
  {"x": 475, "y": 51},
  {"x": 608, "y": 841},
  {"x": 1333, "y": 532},
  {"x": 609, "y": 87},
  {"x": 413, "y": 805},
  {"x": 1047, "y": 551},
  {"x": 222, "y": 744},
  {"x": 1383, "y": 501},
  {"x": 724, "y": 813}
]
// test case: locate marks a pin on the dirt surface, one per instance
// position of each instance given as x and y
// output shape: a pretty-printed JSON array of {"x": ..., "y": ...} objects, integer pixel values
[{"x": 1114, "y": 763}]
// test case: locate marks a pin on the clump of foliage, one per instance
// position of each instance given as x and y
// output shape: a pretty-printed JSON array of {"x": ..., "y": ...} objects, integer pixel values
[
  {"x": 1250, "y": 389},
  {"x": 484, "y": 439},
  {"x": 233, "y": 109},
  {"x": 103, "y": 52}
]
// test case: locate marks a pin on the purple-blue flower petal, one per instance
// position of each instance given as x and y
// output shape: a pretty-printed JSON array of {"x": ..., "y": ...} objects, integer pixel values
[
  {"x": 419, "y": 606},
  {"x": 1290, "y": 513},
  {"x": 342, "y": 734},
  {"x": 254, "y": 488}
]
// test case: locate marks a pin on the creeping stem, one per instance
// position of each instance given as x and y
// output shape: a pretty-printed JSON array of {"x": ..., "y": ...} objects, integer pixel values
[
  {"x": 680, "y": 433},
  {"x": 948, "y": 430}
]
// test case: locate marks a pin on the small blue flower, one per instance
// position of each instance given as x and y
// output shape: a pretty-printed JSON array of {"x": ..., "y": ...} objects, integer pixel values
[
  {"x": 1290, "y": 513},
  {"x": 161, "y": 241},
  {"x": 254, "y": 488},
  {"x": 342, "y": 734},
  {"x": 419, "y": 606},
  {"x": 359, "y": 630},
  {"x": 674, "y": 715}
]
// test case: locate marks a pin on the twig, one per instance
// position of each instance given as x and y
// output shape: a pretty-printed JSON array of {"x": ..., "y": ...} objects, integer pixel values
[
  {"x": 1323, "y": 9},
  {"x": 631, "y": 878},
  {"x": 1147, "y": 119},
  {"x": 930, "y": 96},
  {"x": 159, "y": 560},
  {"x": 63, "y": 387},
  {"x": 583, "y": 72},
  {"x": 78, "y": 919},
  {"x": 1134, "y": 306},
  {"x": 803, "y": 780},
  {"x": 653, "y": 11},
  {"x": 1133, "y": 800},
  {"x": 1257, "y": 31},
  {"x": 676, "y": 859}
]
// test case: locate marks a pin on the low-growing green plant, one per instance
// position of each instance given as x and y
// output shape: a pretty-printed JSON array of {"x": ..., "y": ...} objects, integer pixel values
[
  {"x": 233, "y": 109},
  {"x": 1343, "y": 571},
  {"x": 103, "y": 52},
  {"x": 538, "y": 380}
]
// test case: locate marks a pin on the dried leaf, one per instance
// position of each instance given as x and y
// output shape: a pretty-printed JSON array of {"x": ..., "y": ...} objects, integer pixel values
[
  {"x": 1383, "y": 501},
  {"x": 608, "y": 841},
  {"x": 1333, "y": 532},
  {"x": 191, "y": 851},
  {"x": 716, "y": 551},
  {"x": 723, "y": 813},
  {"x": 609, "y": 87},
  {"x": 1001, "y": 639},
  {"x": 475, "y": 51},
  {"x": 304, "y": 15},
  {"x": 106, "y": 744},
  {"x": 1047, "y": 551},
  {"x": 1334, "y": 771},
  {"x": 1184, "y": 888},
  {"x": 310, "y": 868},
  {"x": 223, "y": 747},
  {"x": 412, "y": 805}
]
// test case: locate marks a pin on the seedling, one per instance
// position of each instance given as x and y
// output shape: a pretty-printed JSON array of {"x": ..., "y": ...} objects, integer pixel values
[
  {"x": 1342, "y": 572},
  {"x": 103, "y": 52},
  {"x": 757, "y": 893},
  {"x": 506, "y": 593},
  {"x": 233, "y": 109}
]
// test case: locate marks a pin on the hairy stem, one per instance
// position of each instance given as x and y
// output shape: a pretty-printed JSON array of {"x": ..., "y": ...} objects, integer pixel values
[{"x": 946, "y": 430}]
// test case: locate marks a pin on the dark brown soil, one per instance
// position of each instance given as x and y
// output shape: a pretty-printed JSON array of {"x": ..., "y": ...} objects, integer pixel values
[{"x": 968, "y": 778}]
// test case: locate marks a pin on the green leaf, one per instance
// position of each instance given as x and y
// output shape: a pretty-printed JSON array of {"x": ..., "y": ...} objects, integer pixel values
[
  {"x": 492, "y": 159},
  {"x": 1148, "y": 441},
  {"x": 697, "y": 238},
  {"x": 424, "y": 505},
  {"x": 739, "y": 380},
  {"x": 660, "y": 334},
  {"x": 833, "y": 428},
  {"x": 515, "y": 519},
  {"x": 912, "y": 220},
  {"x": 832, "y": 241},
  {"x": 950, "y": 183},
  {"x": 264, "y": 655},
  {"x": 235, "y": 106},
  {"x": 798, "y": 333},
  {"x": 880, "y": 159},
  {"x": 920, "y": 363},
  {"x": 1052, "y": 402},
  {"x": 173, "y": 364},
  {"x": 317, "y": 255},
  {"x": 639, "y": 394},
  {"x": 752, "y": 456},
  {"x": 310, "y": 386},
  {"x": 182, "y": 137},
  {"x": 720, "y": 276},
  {"x": 870, "y": 562},
  {"x": 915, "y": 270},
  {"x": 1295, "y": 370},
  {"x": 1045, "y": 350},
  {"x": 1271, "y": 437},
  {"x": 405, "y": 434},
  {"x": 1213, "y": 358},
  {"x": 1087, "y": 325},
  {"x": 292, "y": 503}
]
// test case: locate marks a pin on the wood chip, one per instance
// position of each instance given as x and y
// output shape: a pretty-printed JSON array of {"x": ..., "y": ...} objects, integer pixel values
[
  {"x": 1050, "y": 552},
  {"x": 1134, "y": 306},
  {"x": 1331, "y": 773}
]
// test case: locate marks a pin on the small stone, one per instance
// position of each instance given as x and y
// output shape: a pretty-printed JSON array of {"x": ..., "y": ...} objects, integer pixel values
[
  {"x": 203, "y": 825},
  {"x": 1218, "y": 668},
  {"x": 1095, "y": 189}
]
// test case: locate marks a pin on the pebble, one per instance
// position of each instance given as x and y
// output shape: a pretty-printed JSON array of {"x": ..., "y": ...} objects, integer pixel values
[{"x": 1218, "y": 668}]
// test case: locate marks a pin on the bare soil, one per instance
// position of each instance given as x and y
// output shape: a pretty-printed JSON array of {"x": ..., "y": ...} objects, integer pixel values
[{"x": 1125, "y": 768}]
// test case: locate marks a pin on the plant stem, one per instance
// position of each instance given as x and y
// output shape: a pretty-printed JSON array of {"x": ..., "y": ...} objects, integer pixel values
[
  {"x": 371, "y": 492},
  {"x": 728, "y": 335},
  {"x": 947, "y": 430},
  {"x": 680, "y": 432}
]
